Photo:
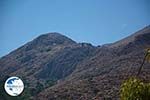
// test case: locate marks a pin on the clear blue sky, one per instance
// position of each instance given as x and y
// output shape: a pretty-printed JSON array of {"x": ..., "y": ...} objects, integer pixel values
[{"x": 94, "y": 21}]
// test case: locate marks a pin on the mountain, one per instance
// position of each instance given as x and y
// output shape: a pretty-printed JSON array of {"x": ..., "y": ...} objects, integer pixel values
[
  {"x": 45, "y": 60},
  {"x": 100, "y": 76},
  {"x": 77, "y": 71},
  {"x": 49, "y": 56}
]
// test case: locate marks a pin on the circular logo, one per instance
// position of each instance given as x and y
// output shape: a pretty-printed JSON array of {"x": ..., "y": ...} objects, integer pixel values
[{"x": 14, "y": 86}]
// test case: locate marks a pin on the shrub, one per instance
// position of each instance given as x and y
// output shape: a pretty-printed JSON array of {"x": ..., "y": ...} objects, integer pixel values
[{"x": 134, "y": 89}]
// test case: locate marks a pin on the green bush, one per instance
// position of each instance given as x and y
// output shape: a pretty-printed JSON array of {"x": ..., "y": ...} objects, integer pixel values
[{"x": 134, "y": 89}]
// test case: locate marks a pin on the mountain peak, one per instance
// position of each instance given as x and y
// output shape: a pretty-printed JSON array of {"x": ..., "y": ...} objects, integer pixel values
[
  {"x": 53, "y": 38},
  {"x": 52, "y": 34},
  {"x": 48, "y": 40}
]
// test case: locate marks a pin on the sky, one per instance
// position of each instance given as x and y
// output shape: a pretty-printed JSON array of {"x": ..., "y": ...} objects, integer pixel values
[{"x": 94, "y": 21}]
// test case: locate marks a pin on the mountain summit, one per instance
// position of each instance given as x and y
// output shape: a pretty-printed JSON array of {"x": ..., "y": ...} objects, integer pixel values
[
  {"x": 55, "y": 67},
  {"x": 53, "y": 39}
]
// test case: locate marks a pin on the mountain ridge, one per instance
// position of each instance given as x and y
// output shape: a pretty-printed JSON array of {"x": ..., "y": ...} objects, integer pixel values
[
  {"x": 78, "y": 70},
  {"x": 103, "y": 81}
]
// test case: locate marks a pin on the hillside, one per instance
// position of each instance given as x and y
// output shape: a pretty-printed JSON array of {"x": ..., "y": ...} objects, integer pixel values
[
  {"x": 77, "y": 71},
  {"x": 100, "y": 76}
]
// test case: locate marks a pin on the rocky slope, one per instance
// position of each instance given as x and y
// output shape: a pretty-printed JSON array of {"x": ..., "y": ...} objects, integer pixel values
[
  {"x": 45, "y": 60},
  {"x": 80, "y": 71},
  {"x": 100, "y": 76},
  {"x": 49, "y": 56}
]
